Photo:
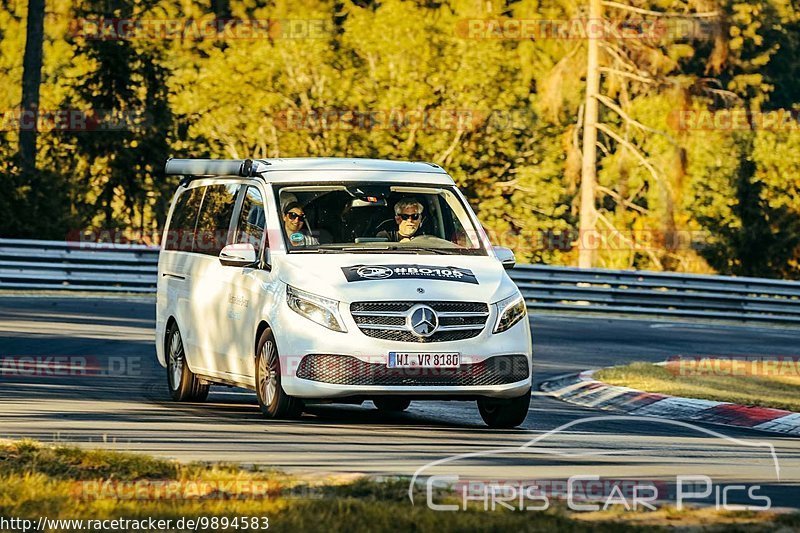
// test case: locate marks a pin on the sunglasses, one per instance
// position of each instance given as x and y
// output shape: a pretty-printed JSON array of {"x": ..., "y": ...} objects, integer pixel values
[
  {"x": 406, "y": 216},
  {"x": 295, "y": 216}
]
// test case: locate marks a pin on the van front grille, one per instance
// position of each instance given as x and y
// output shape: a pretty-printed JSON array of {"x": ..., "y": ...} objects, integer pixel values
[{"x": 387, "y": 320}]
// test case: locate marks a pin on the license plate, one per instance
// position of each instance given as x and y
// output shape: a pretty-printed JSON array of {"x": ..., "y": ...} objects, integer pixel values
[{"x": 424, "y": 360}]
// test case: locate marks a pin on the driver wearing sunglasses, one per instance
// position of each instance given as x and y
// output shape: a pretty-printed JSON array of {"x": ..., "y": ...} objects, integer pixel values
[
  {"x": 294, "y": 223},
  {"x": 408, "y": 216}
]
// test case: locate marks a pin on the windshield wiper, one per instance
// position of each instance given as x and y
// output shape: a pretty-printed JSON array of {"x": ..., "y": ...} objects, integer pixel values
[
  {"x": 321, "y": 249},
  {"x": 345, "y": 249},
  {"x": 418, "y": 249}
]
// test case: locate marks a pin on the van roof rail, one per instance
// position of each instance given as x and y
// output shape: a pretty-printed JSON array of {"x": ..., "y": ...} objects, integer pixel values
[{"x": 246, "y": 168}]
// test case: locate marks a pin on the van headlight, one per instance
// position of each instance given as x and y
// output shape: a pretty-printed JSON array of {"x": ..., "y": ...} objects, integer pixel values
[
  {"x": 509, "y": 311},
  {"x": 323, "y": 311}
]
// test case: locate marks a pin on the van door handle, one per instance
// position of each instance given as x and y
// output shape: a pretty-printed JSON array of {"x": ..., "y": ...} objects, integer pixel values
[{"x": 176, "y": 276}]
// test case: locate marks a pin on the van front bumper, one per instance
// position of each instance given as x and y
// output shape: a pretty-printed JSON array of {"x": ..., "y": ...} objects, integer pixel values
[
  {"x": 317, "y": 363},
  {"x": 336, "y": 376}
]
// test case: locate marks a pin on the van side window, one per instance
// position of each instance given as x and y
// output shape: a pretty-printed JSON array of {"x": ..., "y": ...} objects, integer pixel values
[
  {"x": 253, "y": 219},
  {"x": 180, "y": 233},
  {"x": 214, "y": 219}
]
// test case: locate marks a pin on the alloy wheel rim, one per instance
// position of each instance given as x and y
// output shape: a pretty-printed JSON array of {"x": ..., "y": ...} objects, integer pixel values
[
  {"x": 267, "y": 374},
  {"x": 176, "y": 359}
]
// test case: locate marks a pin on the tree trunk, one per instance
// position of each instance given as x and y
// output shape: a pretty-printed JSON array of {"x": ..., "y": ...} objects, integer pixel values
[
  {"x": 31, "y": 80},
  {"x": 588, "y": 238}
]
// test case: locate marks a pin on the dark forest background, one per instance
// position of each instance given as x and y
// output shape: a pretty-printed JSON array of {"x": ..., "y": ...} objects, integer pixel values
[{"x": 697, "y": 165}]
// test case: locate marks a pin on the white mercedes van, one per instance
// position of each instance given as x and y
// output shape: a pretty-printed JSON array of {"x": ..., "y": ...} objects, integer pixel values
[{"x": 337, "y": 280}]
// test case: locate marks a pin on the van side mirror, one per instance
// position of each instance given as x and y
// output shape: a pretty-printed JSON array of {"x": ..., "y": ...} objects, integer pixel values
[
  {"x": 241, "y": 255},
  {"x": 505, "y": 256}
]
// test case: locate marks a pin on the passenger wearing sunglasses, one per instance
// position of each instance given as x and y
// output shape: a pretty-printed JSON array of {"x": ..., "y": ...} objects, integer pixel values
[
  {"x": 294, "y": 223},
  {"x": 408, "y": 216}
]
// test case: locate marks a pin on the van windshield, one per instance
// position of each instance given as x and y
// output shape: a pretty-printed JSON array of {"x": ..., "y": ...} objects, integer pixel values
[{"x": 373, "y": 217}]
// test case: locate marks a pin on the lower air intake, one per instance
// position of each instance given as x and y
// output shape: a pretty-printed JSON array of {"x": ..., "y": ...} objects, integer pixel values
[{"x": 348, "y": 370}]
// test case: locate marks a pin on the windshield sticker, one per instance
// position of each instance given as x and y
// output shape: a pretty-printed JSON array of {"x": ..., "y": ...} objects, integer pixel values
[{"x": 374, "y": 272}]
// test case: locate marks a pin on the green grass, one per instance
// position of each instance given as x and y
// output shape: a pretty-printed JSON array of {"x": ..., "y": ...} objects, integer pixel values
[
  {"x": 38, "y": 480},
  {"x": 711, "y": 380}
]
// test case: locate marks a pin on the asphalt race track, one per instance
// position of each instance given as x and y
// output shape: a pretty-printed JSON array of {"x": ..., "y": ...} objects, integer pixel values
[{"x": 131, "y": 411}]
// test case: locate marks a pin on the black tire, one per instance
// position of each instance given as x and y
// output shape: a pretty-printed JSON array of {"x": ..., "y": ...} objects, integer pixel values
[
  {"x": 505, "y": 413},
  {"x": 391, "y": 405},
  {"x": 272, "y": 399},
  {"x": 184, "y": 386}
]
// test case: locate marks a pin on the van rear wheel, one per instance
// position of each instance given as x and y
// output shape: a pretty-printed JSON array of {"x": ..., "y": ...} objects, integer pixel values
[
  {"x": 272, "y": 399},
  {"x": 184, "y": 385},
  {"x": 505, "y": 413}
]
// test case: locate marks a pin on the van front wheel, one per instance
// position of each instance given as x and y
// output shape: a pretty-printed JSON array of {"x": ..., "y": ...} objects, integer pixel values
[
  {"x": 505, "y": 413},
  {"x": 272, "y": 399}
]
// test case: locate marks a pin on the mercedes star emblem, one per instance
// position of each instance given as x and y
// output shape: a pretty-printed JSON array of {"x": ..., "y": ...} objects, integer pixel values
[{"x": 423, "y": 321}]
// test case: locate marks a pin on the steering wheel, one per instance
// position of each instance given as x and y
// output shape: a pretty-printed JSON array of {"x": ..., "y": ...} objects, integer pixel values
[{"x": 389, "y": 222}]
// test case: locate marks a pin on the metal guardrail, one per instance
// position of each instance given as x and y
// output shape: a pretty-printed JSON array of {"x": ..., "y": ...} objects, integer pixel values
[
  {"x": 658, "y": 293},
  {"x": 58, "y": 265},
  {"x": 62, "y": 265}
]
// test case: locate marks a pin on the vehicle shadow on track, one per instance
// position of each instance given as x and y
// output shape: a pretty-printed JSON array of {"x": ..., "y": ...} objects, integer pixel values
[{"x": 242, "y": 405}]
